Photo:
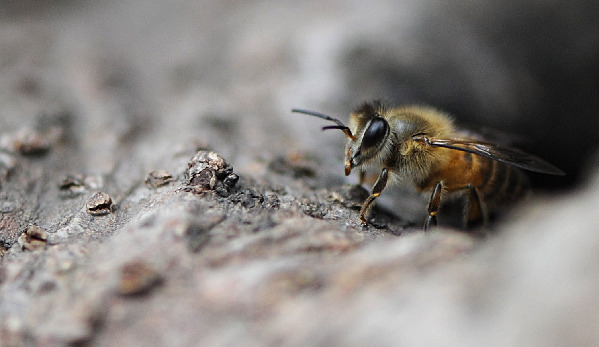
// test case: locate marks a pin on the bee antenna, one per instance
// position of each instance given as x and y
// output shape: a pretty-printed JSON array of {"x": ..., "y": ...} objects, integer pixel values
[{"x": 339, "y": 125}]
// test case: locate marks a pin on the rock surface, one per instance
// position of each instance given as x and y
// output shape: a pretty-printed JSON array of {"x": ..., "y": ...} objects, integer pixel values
[{"x": 156, "y": 190}]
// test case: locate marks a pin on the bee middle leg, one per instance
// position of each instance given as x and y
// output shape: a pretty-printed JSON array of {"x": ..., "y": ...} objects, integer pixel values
[
  {"x": 433, "y": 206},
  {"x": 377, "y": 189}
]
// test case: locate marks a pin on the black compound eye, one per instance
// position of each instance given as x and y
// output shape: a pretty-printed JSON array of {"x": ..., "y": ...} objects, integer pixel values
[{"x": 375, "y": 132}]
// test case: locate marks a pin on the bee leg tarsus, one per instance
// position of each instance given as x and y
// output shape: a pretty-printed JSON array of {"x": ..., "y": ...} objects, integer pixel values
[
  {"x": 430, "y": 221},
  {"x": 378, "y": 187},
  {"x": 433, "y": 206},
  {"x": 365, "y": 210},
  {"x": 372, "y": 222},
  {"x": 363, "y": 221}
]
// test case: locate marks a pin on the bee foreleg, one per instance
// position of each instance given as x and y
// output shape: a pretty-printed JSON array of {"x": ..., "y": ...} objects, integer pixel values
[
  {"x": 433, "y": 206},
  {"x": 377, "y": 189},
  {"x": 362, "y": 176}
]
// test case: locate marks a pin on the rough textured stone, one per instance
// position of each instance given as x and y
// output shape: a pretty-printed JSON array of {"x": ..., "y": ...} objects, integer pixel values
[{"x": 224, "y": 219}]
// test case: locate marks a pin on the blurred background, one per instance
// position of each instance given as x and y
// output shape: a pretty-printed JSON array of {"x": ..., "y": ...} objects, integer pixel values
[{"x": 139, "y": 77}]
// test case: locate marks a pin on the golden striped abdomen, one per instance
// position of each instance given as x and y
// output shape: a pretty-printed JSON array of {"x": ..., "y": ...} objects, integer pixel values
[{"x": 498, "y": 183}]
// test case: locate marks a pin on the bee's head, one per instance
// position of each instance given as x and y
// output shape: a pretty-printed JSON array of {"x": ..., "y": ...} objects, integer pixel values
[
  {"x": 366, "y": 134},
  {"x": 371, "y": 131}
]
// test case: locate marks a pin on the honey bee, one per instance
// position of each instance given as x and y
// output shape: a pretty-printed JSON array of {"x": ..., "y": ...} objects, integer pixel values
[{"x": 421, "y": 145}]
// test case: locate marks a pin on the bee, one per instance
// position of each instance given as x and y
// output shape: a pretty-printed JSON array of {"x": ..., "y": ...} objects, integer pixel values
[{"x": 421, "y": 145}]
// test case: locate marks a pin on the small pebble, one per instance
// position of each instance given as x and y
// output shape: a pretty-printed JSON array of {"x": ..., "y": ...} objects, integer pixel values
[
  {"x": 33, "y": 238},
  {"x": 158, "y": 178},
  {"x": 99, "y": 204},
  {"x": 137, "y": 277}
]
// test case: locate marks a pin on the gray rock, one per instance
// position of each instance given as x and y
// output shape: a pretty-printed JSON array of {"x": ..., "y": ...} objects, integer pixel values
[{"x": 223, "y": 219}]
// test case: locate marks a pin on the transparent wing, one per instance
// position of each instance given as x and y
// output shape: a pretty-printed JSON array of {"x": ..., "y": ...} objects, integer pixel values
[{"x": 511, "y": 156}]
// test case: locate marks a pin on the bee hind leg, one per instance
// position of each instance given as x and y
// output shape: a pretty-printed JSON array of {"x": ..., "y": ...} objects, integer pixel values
[
  {"x": 433, "y": 206},
  {"x": 377, "y": 189},
  {"x": 475, "y": 211}
]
